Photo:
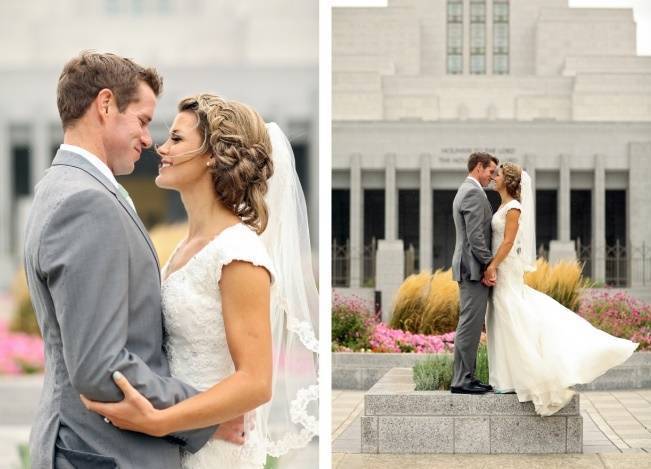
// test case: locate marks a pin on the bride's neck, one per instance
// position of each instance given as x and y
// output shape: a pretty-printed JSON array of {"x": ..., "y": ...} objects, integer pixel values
[
  {"x": 504, "y": 195},
  {"x": 206, "y": 215}
]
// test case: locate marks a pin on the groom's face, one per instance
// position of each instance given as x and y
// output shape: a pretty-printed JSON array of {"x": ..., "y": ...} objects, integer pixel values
[
  {"x": 486, "y": 174},
  {"x": 127, "y": 133}
]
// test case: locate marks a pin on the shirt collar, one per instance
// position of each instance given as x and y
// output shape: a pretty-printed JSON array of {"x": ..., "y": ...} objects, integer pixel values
[
  {"x": 476, "y": 182},
  {"x": 92, "y": 159}
]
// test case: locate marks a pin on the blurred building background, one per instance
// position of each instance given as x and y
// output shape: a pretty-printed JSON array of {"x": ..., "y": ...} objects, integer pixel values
[
  {"x": 420, "y": 84},
  {"x": 262, "y": 52}
]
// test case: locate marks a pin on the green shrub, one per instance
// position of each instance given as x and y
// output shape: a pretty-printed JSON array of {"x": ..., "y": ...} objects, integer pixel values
[
  {"x": 352, "y": 324},
  {"x": 481, "y": 368},
  {"x": 23, "y": 454},
  {"x": 563, "y": 281},
  {"x": 435, "y": 372},
  {"x": 24, "y": 318},
  {"x": 427, "y": 304}
]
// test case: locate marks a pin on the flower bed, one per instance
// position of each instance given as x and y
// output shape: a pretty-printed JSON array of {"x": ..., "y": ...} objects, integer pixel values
[
  {"x": 386, "y": 339},
  {"x": 20, "y": 352},
  {"x": 618, "y": 314},
  {"x": 355, "y": 329}
]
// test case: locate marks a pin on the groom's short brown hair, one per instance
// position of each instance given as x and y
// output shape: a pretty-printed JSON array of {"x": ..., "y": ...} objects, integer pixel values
[
  {"x": 87, "y": 74},
  {"x": 481, "y": 157}
]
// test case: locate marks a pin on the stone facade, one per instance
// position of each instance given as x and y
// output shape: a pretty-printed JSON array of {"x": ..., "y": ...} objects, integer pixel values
[{"x": 574, "y": 108}]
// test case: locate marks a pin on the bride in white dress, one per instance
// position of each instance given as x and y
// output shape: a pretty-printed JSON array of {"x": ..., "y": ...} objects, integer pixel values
[
  {"x": 537, "y": 348},
  {"x": 239, "y": 297}
]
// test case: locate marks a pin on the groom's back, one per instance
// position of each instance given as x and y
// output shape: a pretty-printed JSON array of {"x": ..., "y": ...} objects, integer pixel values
[
  {"x": 470, "y": 199},
  {"x": 460, "y": 230},
  {"x": 64, "y": 196}
]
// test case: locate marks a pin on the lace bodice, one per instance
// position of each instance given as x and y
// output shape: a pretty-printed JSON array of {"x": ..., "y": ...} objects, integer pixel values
[
  {"x": 498, "y": 224},
  {"x": 195, "y": 335}
]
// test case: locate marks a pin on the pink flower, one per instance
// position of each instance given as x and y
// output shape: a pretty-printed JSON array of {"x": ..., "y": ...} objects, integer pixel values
[
  {"x": 385, "y": 339},
  {"x": 619, "y": 315},
  {"x": 19, "y": 352}
]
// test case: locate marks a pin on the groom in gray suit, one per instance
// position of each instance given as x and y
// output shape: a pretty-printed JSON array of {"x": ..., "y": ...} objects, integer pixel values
[
  {"x": 94, "y": 277},
  {"x": 472, "y": 253}
]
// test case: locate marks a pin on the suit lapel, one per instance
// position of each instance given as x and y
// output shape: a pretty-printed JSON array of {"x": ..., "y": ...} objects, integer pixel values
[
  {"x": 136, "y": 219},
  {"x": 66, "y": 158}
]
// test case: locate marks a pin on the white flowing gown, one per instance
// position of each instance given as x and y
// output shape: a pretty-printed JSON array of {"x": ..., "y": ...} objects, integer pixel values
[
  {"x": 537, "y": 348},
  {"x": 196, "y": 339}
]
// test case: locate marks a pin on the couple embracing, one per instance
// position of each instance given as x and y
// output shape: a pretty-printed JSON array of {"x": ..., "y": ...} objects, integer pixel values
[
  {"x": 537, "y": 348},
  {"x": 209, "y": 362}
]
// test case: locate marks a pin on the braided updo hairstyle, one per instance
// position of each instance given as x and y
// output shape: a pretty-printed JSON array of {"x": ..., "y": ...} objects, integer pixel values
[
  {"x": 512, "y": 176},
  {"x": 236, "y": 136}
]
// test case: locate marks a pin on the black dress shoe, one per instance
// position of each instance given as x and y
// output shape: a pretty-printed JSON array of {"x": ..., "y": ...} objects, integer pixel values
[
  {"x": 467, "y": 389},
  {"x": 478, "y": 383}
]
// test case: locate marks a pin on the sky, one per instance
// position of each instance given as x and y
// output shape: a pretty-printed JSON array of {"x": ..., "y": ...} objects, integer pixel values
[{"x": 641, "y": 11}]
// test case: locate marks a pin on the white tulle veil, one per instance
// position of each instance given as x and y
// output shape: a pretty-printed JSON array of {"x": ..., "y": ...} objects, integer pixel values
[
  {"x": 290, "y": 419},
  {"x": 527, "y": 224}
]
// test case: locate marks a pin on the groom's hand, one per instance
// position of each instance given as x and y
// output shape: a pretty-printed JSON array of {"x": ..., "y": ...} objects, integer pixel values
[
  {"x": 490, "y": 276},
  {"x": 231, "y": 431}
]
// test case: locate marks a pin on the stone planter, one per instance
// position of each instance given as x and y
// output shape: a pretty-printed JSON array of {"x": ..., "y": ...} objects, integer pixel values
[
  {"x": 360, "y": 371},
  {"x": 398, "y": 419}
]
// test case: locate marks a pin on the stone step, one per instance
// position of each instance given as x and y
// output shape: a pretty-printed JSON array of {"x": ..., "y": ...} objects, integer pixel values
[{"x": 398, "y": 419}]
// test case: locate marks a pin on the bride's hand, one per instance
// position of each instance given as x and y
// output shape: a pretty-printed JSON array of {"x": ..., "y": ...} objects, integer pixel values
[
  {"x": 231, "y": 431},
  {"x": 133, "y": 413}
]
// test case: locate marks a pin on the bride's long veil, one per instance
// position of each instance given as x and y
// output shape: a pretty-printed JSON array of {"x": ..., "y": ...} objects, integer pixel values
[
  {"x": 290, "y": 419},
  {"x": 527, "y": 224}
]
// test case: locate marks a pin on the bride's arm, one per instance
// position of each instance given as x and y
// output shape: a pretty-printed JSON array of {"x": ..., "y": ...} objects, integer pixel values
[
  {"x": 510, "y": 231},
  {"x": 245, "y": 291}
]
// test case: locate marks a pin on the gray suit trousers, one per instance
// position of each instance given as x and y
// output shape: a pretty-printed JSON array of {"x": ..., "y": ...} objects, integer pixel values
[{"x": 473, "y": 300}]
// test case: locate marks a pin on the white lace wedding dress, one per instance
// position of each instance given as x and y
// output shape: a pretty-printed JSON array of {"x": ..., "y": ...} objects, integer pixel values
[
  {"x": 196, "y": 339},
  {"x": 536, "y": 346}
]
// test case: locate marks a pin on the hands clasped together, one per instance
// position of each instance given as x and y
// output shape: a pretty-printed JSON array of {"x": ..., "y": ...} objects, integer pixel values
[{"x": 490, "y": 275}]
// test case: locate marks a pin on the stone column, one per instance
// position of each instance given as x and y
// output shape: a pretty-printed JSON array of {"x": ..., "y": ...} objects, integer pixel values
[
  {"x": 529, "y": 165},
  {"x": 356, "y": 221},
  {"x": 639, "y": 221},
  {"x": 390, "y": 199},
  {"x": 599, "y": 220},
  {"x": 389, "y": 273},
  {"x": 6, "y": 196},
  {"x": 563, "y": 248},
  {"x": 41, "y": 158},
  {"x": 425, "y": 214},
  {"x": 564, "y": 199}
]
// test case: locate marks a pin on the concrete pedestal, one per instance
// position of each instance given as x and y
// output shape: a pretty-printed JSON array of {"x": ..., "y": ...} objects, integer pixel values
[{"x": 398, "y": 419}]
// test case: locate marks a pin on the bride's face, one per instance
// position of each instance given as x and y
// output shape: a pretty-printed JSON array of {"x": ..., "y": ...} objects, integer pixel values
[
  {"x": 181, "y": 163},
  {"x": 499, "y": 179}
]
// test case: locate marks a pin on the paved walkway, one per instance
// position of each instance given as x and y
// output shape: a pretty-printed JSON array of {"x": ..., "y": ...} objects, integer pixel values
[{"x": 616, "y": 434}]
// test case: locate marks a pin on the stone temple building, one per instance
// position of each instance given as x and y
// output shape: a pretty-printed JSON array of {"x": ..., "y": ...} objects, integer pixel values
[{"x": 420, "y": 84}]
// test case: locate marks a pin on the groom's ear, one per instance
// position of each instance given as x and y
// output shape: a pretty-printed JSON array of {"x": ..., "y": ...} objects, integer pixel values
[{"x": 103, "y": 102}]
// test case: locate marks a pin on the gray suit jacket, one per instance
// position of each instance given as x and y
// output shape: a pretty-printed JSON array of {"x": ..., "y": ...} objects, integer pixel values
[
  {"x": 472, "y": 215},
  {"x": 94, "y": 281}
]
